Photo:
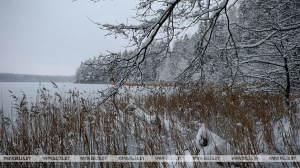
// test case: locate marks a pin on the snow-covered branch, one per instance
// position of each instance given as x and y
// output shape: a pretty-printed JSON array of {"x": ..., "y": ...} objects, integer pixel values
[
  {"x": 242, "y": 46},
  {"x": 263, "y": 62}
]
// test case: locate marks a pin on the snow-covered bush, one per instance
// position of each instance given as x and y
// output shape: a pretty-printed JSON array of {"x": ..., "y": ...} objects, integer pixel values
[{"x": 208, "y": 143}]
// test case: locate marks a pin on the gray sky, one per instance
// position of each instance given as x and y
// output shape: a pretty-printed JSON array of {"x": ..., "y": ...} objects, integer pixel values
[{"x": 52, "y": 37}]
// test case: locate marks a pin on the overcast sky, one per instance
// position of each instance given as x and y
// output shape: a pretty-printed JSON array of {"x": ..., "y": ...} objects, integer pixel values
[{"x": 52, "y": 37}]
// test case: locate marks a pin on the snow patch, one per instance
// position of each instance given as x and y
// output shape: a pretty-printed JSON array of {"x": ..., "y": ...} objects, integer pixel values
[
  {"x": 224, "y": 94},
  {"x": 211, "y": 144}
]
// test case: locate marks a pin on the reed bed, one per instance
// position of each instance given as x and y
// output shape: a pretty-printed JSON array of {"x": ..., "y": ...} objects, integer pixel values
[{"x": 158, "y": 121}]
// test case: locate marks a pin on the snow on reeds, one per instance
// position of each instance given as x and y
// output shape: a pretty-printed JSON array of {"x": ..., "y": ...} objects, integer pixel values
[{"x": 158, "y": 121}]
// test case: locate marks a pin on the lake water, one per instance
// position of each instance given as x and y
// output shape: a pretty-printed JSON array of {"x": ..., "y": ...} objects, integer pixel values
[{"x": 30, "y": 89}]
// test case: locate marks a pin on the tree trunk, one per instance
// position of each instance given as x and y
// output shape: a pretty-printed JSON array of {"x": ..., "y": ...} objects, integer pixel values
[{"x": 288, "y": 80}]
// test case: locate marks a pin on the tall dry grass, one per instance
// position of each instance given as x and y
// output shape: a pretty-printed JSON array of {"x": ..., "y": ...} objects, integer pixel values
[{"x": 161, "y": 121}]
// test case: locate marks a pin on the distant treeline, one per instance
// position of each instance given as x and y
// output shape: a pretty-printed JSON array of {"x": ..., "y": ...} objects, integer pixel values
[{"x": 10, "y": 77}]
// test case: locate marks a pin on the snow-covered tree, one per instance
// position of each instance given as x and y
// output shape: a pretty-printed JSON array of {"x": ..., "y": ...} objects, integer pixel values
[
  {"x": 163, "y": 19},
  {"x": 265, "y": 23},
  {"x": 90, "y": 72},
  {"x": 269, "y": 44}
]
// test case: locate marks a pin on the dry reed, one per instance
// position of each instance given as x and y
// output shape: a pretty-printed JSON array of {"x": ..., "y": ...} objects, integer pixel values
[{"x": 162, "y": 121}]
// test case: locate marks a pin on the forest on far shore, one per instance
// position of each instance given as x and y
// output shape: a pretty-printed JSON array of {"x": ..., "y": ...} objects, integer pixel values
[{"x": 10, "y": 77}]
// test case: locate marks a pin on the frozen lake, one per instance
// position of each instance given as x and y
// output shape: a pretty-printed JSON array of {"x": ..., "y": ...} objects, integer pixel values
[{"x": 30, "y": 89}]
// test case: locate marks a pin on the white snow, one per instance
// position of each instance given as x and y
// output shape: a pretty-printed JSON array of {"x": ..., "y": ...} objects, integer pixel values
[
  {"x": 224, "y": 94},
  {"x": 215, "y": 144}
]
